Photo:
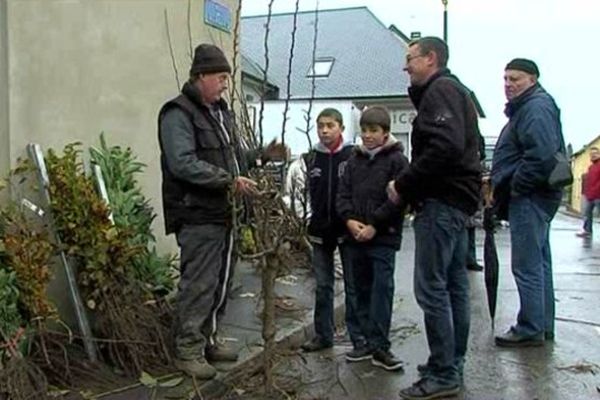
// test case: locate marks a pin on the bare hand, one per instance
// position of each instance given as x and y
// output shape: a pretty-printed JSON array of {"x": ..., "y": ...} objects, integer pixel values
[
  {"x": 393, "y": 195},
  {"x": 366, "y": 234},
  {"x": 244, "y": 186},
  {"x": 354, "y": 227}
]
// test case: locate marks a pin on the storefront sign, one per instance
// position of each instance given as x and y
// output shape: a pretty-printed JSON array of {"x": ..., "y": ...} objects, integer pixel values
[{"x": 402, "y": 120}]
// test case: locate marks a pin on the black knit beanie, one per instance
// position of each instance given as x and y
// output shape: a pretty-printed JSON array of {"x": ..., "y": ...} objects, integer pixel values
[
  {"x": 525, "y": 65},
  {"x": 209, "y": 59}
]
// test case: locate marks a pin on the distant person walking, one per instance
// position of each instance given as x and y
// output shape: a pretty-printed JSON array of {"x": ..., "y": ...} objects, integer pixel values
[{"x": 591, "y": 193}]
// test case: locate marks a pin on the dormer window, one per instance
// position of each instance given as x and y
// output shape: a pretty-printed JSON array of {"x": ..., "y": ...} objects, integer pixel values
[{"x": 321, "y": 67}]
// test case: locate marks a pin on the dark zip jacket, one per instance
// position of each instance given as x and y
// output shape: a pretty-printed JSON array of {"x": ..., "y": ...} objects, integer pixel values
[
  {"x": 362, "y": 194},
  {"x": 524, "y": 154},
  {"x": 324, "y": 170},
  {"x": 198, "y": 160},
  {"x": 445, "y": 142}
]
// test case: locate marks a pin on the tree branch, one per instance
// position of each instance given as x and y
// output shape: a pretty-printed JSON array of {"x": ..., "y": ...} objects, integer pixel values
[
  {"x": 289, "y": 74},
  {"x": 264, "y": 82},
  {"x": 171, "y": 50}
]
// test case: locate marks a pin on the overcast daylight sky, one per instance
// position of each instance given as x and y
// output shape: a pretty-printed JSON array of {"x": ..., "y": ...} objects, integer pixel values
[{"x": 561, "y": 36}]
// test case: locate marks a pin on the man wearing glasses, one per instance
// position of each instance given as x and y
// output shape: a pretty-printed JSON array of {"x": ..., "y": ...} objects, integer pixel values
[{"x": 442, "y": 184}]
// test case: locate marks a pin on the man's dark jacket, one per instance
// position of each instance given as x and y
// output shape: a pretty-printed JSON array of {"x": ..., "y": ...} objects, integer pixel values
[
  {"x": 198, "y": 160},
  {"x": 362, "y": 194},
  {"x": 445, "y": 142},
  {"x": 524, "y": 153},
  {"x": 324, "y": 170}
]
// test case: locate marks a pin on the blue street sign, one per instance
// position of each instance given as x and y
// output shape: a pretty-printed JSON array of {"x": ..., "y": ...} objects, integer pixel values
[{"x": 217, "y": 15}]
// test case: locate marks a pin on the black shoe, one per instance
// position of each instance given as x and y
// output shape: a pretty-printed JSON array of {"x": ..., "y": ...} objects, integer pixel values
[
  {"x": 426, "y": 389},
  {"x": 218, "y": 353},
  {"x": 423, "y": 369},
  {"x": 359, "y": 354},
  {"x": 512, "y": 339},
  {"x": 315, "y": 344},
  {"x": 386, "y": 360},
  {"x": 475, "y": 267},
  {"x": 549, "y": 336}
]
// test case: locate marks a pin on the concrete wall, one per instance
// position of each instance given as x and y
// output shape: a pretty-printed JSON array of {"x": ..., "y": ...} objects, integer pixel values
[
  {"x": 76, "y": 68},
  {"x": 4, "y": 137}
]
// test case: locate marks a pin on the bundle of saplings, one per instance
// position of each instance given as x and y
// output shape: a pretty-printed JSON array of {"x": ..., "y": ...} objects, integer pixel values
[
  {"x": 25, "y": 253},
  {"x": 126, "y": 321},
  {"x": 131, "y": 210}
]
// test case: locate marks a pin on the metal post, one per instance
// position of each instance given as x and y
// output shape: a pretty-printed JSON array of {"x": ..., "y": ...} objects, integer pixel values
[
  {"x": 35, "y": 154},
  {"x": 101, "y": 186},
  {"x": 445, "y": 3}
]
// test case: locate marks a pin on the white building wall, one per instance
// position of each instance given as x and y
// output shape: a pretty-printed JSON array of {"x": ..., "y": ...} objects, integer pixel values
[
  {"x": 401, "y": 121},
  {"x": 295, "y": 128}
]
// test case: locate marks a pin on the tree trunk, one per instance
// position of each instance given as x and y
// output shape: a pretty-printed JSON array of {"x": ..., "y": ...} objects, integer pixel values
[{"x": 268, "y": 331}]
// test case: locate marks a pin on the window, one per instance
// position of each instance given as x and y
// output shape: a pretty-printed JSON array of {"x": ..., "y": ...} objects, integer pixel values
[{"x": 321, "y": 68}]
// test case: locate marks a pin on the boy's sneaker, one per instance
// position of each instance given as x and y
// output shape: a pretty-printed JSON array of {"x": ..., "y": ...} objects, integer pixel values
[
  {"x": 359, "y": 354},
  {"x": 386, "y": 360},
  {"x": 583, "y": 234}
]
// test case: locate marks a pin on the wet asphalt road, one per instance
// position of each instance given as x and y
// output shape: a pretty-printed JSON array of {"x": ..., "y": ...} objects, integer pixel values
[{"x": 566, "y": 369}]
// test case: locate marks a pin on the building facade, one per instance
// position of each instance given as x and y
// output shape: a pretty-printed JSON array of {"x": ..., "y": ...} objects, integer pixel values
[
  {"x": 72, "y": 69},
  {"x": 357, "y": 62}
]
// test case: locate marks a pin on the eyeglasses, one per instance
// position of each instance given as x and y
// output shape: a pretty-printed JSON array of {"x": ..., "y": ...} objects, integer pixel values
[{"x": 410, "y": 58}]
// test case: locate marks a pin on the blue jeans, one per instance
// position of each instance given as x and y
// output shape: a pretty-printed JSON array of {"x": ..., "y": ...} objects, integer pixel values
[
  {"x": 588, "y": 214},
  {"x": 371, "y": 267},
  {"x": 442, "y": 287},
  {"x": 324, "y": 274},
  {"x": 531, "y": 263}
]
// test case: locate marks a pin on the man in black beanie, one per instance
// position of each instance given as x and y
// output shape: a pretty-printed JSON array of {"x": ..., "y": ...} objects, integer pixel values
[
  {"x": 524, "y": 158},
  {"x": 202, "y": 163}
]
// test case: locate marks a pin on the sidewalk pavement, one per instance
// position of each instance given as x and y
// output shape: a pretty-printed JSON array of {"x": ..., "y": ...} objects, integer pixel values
[
  {"x": 564, "y": 369},
  {"x": 241, "y": 328}
]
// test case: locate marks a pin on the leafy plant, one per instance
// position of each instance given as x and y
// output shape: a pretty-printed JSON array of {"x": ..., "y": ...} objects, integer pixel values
[
  {"x": 105, "y": 254},
  {"x": 154, "y": 384},
  {"x": 131, "y": 210},
  {"x": 81, "y": 219},
  {"x": 27, "y": 253},
  {"x": 24, "y": 275},
  {"x": 10, "y": 318}
]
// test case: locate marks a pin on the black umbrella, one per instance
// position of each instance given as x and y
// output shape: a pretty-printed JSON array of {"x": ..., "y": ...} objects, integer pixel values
[{"x": 490, "y": 261}]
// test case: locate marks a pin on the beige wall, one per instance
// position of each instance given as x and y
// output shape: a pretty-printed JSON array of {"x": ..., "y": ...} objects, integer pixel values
[
  {"x": 4, "y": 137},
  {"x": 79, "y": 67}
]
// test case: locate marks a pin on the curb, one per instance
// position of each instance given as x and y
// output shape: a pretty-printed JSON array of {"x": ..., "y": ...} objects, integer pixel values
[{"x": 291, "y": 339}]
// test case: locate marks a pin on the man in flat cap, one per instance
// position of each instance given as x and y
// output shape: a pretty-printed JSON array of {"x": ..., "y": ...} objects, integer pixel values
[
  {"x": 202, "y": 162},
  {"x": 524, "y": 158}
]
